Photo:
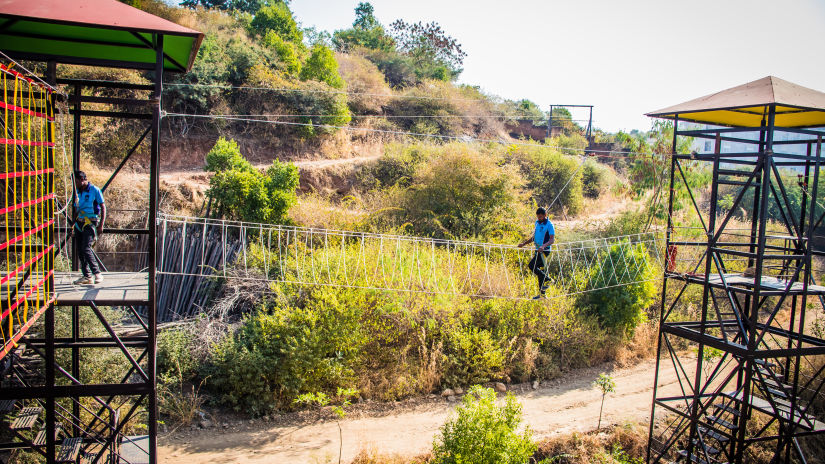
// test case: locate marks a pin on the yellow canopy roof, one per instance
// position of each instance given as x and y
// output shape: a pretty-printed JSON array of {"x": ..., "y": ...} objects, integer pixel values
[{"x": 746, "y": 105}]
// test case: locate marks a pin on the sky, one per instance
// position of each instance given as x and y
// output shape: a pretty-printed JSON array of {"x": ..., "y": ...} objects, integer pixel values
[{"x": 624, "y": 57}]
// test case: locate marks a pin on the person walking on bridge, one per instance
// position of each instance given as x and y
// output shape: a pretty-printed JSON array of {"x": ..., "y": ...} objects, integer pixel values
[
  {"x": 91, "y": 212},
  {"x": 543, "y": 238}
]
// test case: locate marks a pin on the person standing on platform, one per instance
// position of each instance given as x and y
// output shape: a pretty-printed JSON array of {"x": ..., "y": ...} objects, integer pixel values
[
  {"x": 91, "y": 212},
  {"x": 543, "y": 237}
]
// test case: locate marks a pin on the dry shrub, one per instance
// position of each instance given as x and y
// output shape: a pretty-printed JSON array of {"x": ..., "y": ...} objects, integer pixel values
[
  {"x": 315, "y": 210},
  {"x": 369, "y": 90},
  {"x": 586, "y": 448},
  {"x": 640, "y": 347},
  {"x": 372, "y": 456}
]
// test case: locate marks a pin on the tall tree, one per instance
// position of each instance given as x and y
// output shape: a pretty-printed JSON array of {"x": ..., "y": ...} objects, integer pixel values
[{"x": 247, "y": 6}]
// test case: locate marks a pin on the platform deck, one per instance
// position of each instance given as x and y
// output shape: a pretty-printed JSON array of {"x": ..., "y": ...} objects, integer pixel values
[{"x": 117, "y": 288}]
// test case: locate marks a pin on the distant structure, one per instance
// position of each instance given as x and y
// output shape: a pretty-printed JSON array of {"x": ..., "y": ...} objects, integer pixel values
[{"x": 749, "y": 364}]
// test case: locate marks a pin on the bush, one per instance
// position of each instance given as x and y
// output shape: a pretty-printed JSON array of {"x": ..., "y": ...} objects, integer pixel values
[
  {"x": 594, "y": 179},
  {"x": 462, "y": 193},
  {"x": 483, "y": 433},
  {"x": 240, "y": 192},
  {"x": 281, "y": 352},
  {"x": 225, "y": 155},
  {"x": 286, "y": 51},
  {"x": 551, "y": 176},
  {"x": 622, "y": 308},
  {"x": 369, "y": 90},
  {"x": 473, "y": 357},
  {"x": 322, "y": 67},
  {"x": 277, "y": 18}
]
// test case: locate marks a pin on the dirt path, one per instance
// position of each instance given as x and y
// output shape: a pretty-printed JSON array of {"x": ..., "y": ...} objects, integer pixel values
[
  {"x": 557, "y": 407},
  {"x": 199, "y": 175}
]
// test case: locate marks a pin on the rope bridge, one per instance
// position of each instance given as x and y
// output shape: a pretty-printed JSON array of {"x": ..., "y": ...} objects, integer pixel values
[
  {"x": 27, "y": 206},
  {"x": 310, "y": 256}
]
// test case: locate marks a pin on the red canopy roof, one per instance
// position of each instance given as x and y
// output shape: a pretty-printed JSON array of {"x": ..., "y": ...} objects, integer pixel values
[{"x": 105, "y": 13}]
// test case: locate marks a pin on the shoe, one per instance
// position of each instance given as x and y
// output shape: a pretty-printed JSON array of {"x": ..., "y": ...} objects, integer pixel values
[
  {"x": 544, "y": 288},
  {"x": 84, "y": 281},
  {"x": 540, "y": 296},
  {"x": 98, "y": 278}
]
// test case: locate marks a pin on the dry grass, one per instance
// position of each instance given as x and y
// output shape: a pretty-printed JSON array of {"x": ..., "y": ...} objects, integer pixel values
[{"x": 601, "y": 447}]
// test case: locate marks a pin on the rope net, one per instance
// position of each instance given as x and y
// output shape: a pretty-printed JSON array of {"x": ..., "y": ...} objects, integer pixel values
[
  {"x": 201, "y": 248},
  {"x": 27, "y": 207}
]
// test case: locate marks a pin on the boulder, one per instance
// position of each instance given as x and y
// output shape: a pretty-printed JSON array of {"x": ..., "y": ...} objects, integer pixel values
[
  {"x": 500, "y": 387},
  {"x": 448, "y": 392}
]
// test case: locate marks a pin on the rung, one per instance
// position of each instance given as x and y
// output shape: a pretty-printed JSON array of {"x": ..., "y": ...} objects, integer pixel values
[
  {"x": 731, "y": 172},
  {"x": 709, "y": 449},
  {"x": 763, "y": 363},
  {"x": 714, "y": 434},
  {"x": 40, "y": 439},
  {"x": 722, "y": 422},
  {"x": 692, "y": 457},
  {"x": 727, "y": 408},
  {"x": 769, "y": 372},
  {"x": 26, "y": 419},
  {"x": 88, "y": 458},
  {"x": 69, "y": 450}
]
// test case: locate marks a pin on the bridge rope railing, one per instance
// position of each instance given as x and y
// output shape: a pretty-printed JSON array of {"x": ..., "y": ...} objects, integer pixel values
[{"x": 327, "y": 257}]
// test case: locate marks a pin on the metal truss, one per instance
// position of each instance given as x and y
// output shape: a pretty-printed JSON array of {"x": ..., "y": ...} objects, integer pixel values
[{"x": 749, "y": 365}]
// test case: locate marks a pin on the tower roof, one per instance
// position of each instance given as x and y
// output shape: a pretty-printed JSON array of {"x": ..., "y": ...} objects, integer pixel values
[{"x": 746, "y": 105}]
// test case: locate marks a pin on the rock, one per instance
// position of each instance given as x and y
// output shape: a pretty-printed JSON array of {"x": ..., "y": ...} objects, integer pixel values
[
  {"x": 432, "y": 396},
  {"x": 451, "y": 398},
  {"x": 459, "y": 391},
  {"x": 163, "y": 428},
  {"x": 448, "y": 392},
  {"x": 205, "y": 423},
  {"x": 500, "y": 387},
  {"x": 535, "y": 385},
  {"x": 225, "y": 425}
]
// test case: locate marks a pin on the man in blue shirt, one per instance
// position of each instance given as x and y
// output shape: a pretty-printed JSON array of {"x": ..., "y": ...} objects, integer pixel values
[
  {"x": 91, "y": 212},
  {"x": 543, "y": 237}
]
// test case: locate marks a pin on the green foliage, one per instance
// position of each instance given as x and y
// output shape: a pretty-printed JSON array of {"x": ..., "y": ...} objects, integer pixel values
[
  {"x": 280, "y": 353},
  {"x": 460, "y": 193},
  {"x": 483, "y": 432},
  {"x": 525, "y": 109},
  {"x": 622, "y": 308},
  {"x": 246, "y": 6},
  {"x": 550, "y": 175},
  {"x": 277, "y": 18},
  {"x": 606, "y": 384},
  {"x": 474, "y": 357},
  {"x": 286, "y": 52},
  {"x": 435, "y": 54},
  {"x": 241, "y": 192},
  {"x": 321, "y": 66},
  {"x": 225, "y": 155},
  {"x": 594, "y": 179},
  {"x": 175, "y": 361}
]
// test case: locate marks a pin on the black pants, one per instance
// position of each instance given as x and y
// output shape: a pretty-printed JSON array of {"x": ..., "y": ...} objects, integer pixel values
[
  {"x": 83, "y": 244},
  {"x": 537, "y": 267}
]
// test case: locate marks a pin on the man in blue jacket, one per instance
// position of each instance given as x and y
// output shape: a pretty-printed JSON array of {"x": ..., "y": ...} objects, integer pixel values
[
  {"x": 91, "y": 212},
  {"x": 543, "y": 237}
]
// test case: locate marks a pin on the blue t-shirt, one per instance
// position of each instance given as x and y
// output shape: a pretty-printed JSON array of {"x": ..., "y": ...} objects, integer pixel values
[
  {"x": 89, "y": 202},
  {"x": 543, "y": 232}
]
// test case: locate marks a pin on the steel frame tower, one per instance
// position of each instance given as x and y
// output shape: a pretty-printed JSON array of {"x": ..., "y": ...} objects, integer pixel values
[
  {"x": 748, "y": 367},
  {"x": 50, "y": 404}
]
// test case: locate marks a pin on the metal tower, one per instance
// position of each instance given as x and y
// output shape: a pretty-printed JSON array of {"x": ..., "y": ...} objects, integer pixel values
[{"x": 744, "y": 373}]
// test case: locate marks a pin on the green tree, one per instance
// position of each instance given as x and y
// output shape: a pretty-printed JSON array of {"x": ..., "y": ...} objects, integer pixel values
[
  {"x": 483, "y": 432},
  {"x": 436, "y": 55},
  {"x": 247, "y": 6},
  {"x": 238, "y": 191},
  {"x": 286, "y": 51},
  {"x": 364, "y": 16},
  {"x": 278, "y": 18},
  {"x": 366, "y": 32},
  {"x": 321, "y": 66},
  {"x": 625, "y": 271},
  {"x": 606, "y": 385}
]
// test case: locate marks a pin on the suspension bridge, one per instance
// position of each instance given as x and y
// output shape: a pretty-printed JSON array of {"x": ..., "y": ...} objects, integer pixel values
[{"x": 207, "y": 248}]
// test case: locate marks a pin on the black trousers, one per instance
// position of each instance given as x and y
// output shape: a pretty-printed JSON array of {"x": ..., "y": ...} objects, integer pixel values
[
  {"x": 83, "y": 244},
  {"x": 536, "y": 265}
]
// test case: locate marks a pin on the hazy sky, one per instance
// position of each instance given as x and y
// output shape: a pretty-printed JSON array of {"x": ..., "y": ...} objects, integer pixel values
[{"x": 625, "y": 57}]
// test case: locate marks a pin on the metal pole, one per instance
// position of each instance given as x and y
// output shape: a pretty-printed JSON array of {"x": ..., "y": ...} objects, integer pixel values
[
  {"x": 153, "y": 213},
  {"x": 51, "y": 449}
]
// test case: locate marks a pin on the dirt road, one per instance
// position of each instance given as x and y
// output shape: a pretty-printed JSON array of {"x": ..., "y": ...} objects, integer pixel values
[{"x": 556, "y": 407}]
